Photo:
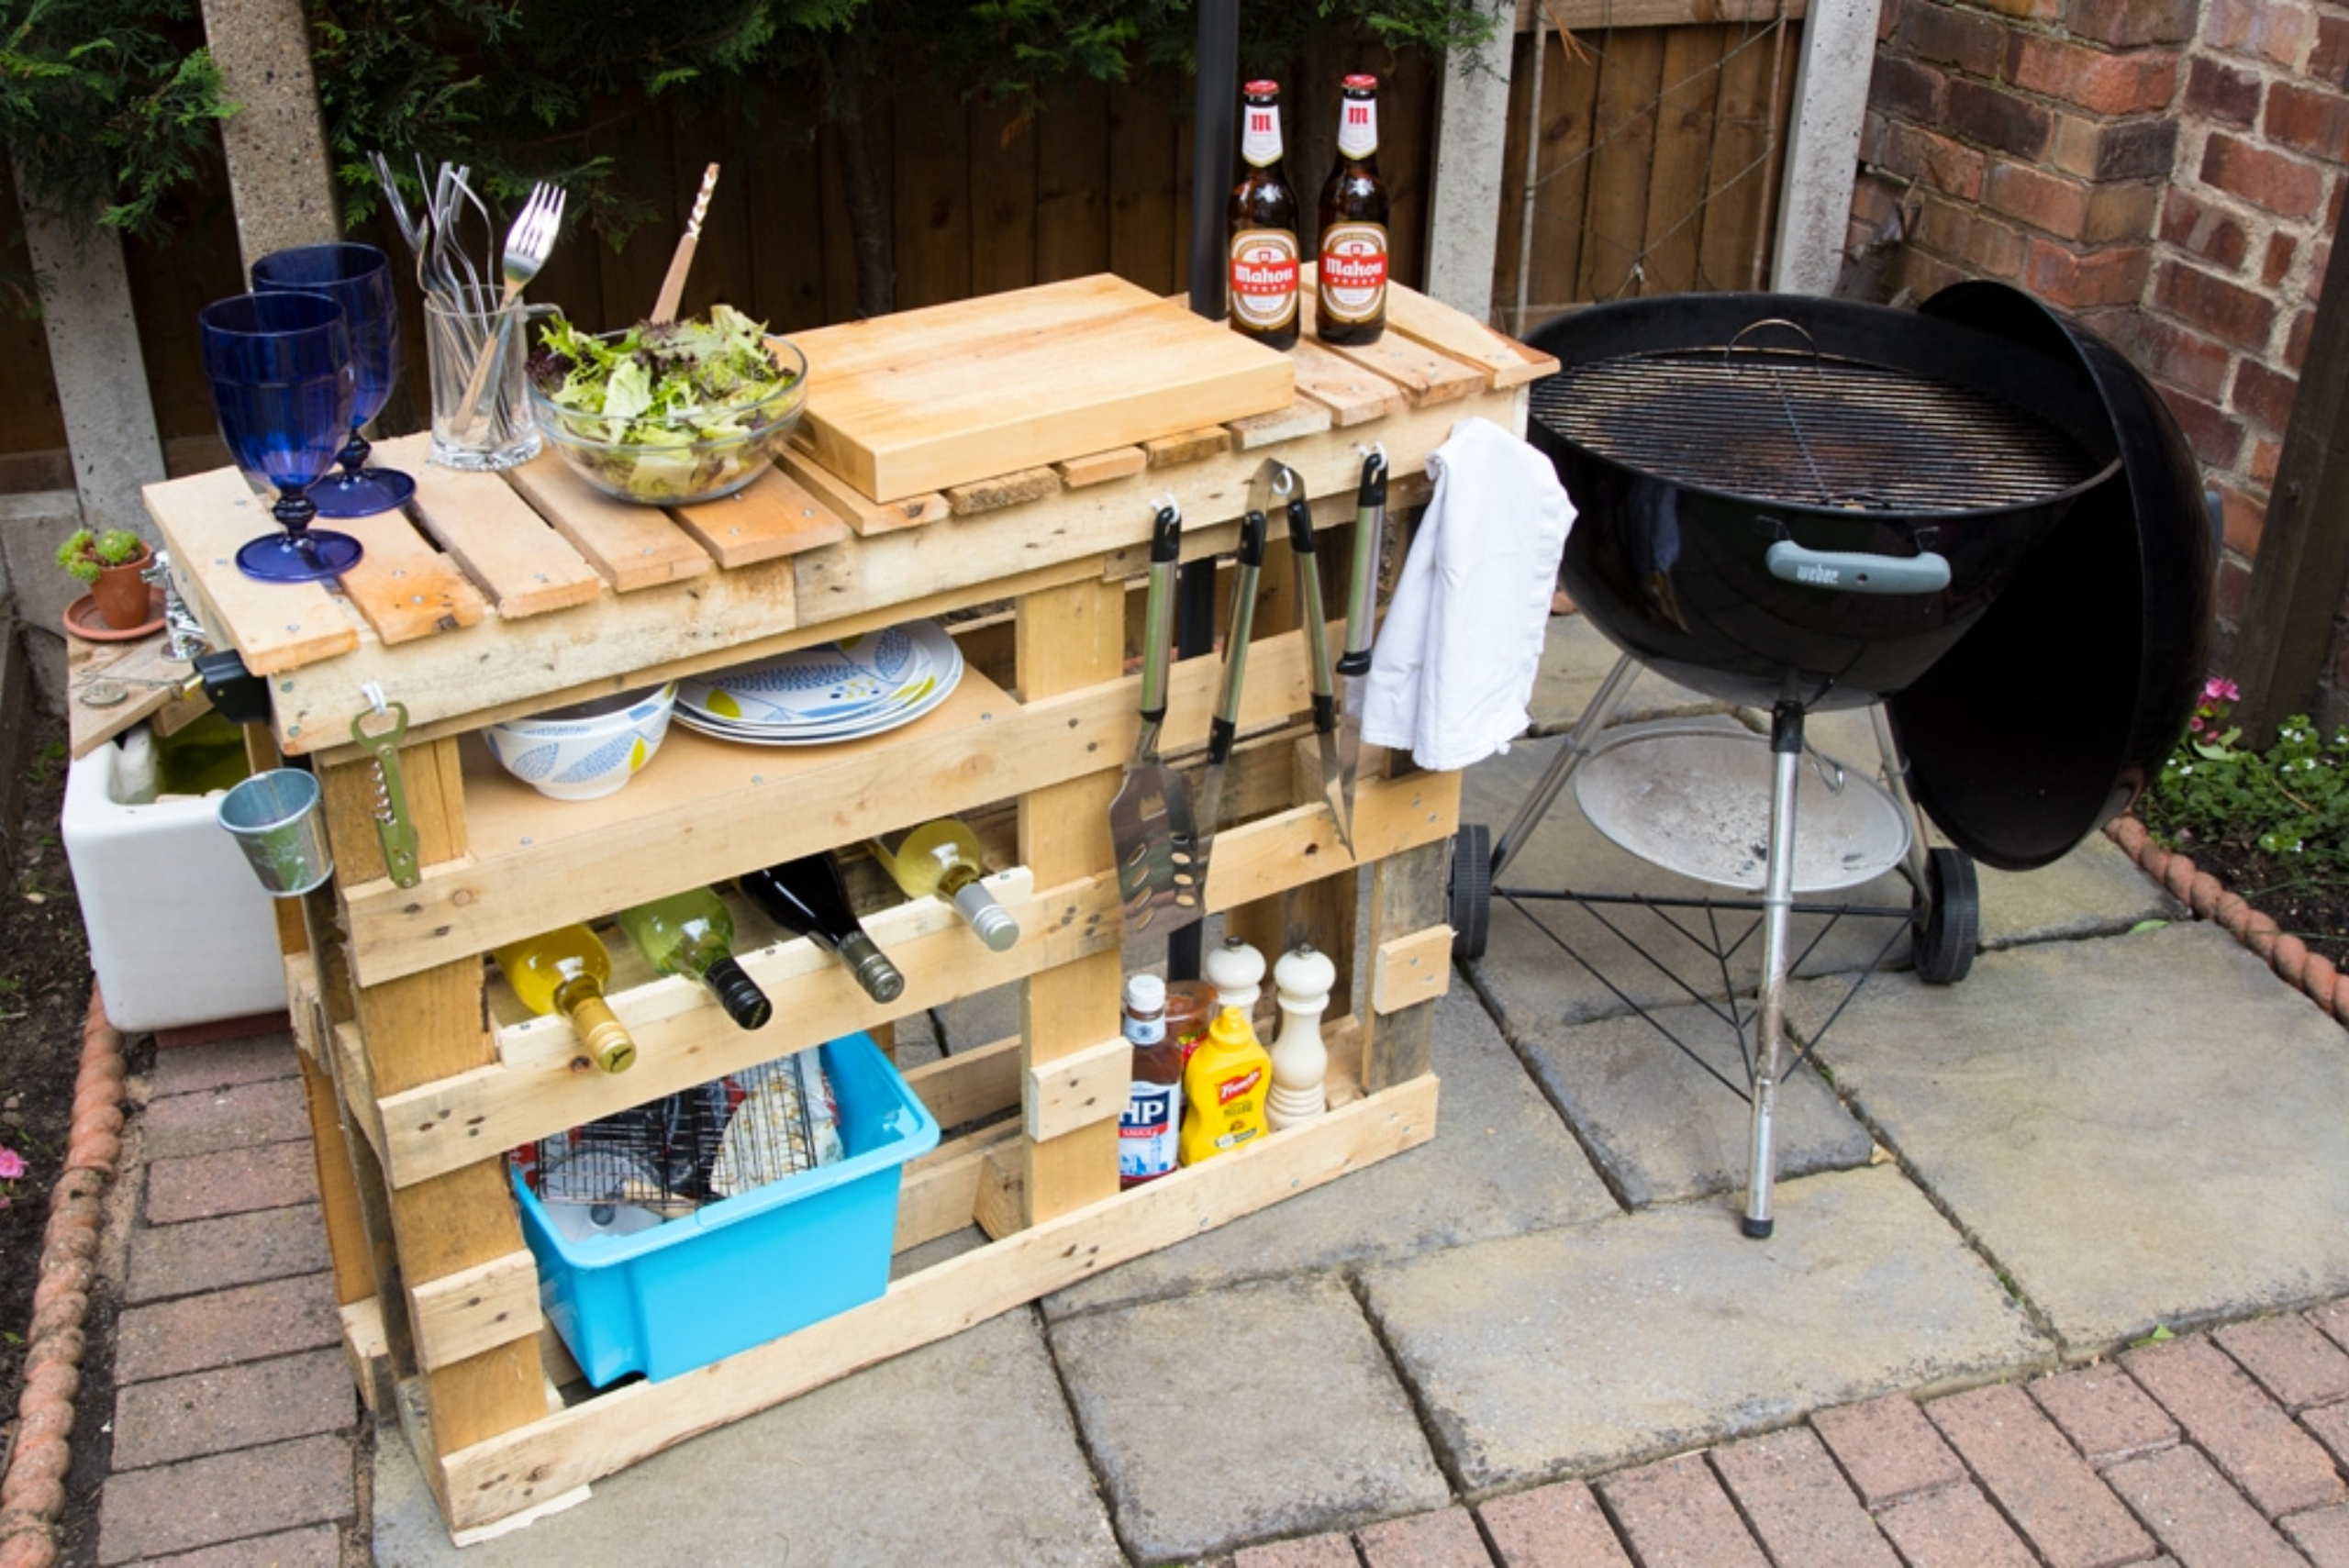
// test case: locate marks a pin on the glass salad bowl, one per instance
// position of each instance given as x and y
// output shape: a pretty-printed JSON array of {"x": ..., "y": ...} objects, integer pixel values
[{"x": 668, "y": 416}]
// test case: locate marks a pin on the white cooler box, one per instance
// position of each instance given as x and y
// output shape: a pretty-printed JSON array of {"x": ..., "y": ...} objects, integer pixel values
[{"x": 180, "y": 933}]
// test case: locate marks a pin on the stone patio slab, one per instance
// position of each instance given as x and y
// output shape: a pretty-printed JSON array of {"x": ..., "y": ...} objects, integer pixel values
[
  {"x": 1581, "y": 1349},
  {"x": 1233, "y": 1416},
  {"x": 1500, "y": 1163},
  {"x": 2142, "y": 1129},
  {"x": 962, "y": 1452},
  {"x": 1661, "y": 1128}
]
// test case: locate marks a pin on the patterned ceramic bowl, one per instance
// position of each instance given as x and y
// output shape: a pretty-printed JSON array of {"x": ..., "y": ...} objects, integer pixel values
[{"x": 588, "y": 750}]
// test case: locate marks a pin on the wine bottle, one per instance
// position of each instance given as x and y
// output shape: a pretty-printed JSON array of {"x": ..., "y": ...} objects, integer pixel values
[
  {"x": 804, "y": 897},
  {"x": 565, "y": 972},
  {"x": 941, "y": 860},
  {"x": 692, "y": 933}
]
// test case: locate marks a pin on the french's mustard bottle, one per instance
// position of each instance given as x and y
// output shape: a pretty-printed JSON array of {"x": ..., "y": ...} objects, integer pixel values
[{"x": 1224, "y": 1085}]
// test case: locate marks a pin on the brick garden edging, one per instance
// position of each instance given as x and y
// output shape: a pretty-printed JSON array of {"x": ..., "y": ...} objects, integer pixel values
[
  {"x": 2289, "y": 956},
  {"x": 32, "y": 1494}
]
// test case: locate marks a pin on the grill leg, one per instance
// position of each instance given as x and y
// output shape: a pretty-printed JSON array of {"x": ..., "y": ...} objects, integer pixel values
[
  {"x": 1777, "y": 900},
  {"x": 1895, "y": 779},
  {"x": 1595, "y": 718}
]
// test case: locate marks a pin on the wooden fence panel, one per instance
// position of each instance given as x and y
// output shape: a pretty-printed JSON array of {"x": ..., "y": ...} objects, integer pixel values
[{"x": 1657, "y": 156}]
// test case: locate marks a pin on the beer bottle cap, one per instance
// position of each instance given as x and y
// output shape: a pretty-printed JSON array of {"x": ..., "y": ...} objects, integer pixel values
[
  {"x": 1263, "y": 88},
  {"x": 1363, "y": 82}
]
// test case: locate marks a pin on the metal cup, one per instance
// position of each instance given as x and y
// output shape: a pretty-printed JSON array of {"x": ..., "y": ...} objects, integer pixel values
[
  {"x": 276, "y": 819},
  {"x": 495, "y": 428}
]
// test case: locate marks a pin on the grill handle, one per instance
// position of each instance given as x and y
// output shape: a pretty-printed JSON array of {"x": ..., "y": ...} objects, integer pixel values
[{"x": 1849, "y": 571}]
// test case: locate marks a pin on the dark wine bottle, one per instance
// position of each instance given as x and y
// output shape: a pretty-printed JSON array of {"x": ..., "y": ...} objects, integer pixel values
[{"x": 804, "y": 897}]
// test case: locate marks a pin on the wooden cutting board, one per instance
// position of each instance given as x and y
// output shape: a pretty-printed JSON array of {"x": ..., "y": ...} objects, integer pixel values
[{"x": 924, "y": 399}]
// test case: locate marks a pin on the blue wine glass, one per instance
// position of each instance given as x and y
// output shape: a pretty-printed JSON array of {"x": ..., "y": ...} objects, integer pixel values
[
  {"x": 359, "y": 278},
  {"x": 282, "y": 383}
]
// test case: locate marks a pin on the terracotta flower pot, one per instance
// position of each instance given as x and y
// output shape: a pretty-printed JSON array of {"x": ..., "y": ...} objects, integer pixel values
[{"x": 122, "y": 598}]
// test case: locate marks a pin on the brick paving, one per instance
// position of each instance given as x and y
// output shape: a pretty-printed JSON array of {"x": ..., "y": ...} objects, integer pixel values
[
  {"x": 236, "y": 1430},
  {"x": 2228, "y": 1448}
]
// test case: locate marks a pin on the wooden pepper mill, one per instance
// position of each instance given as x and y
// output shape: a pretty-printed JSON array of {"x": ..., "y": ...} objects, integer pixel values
[{"x": 1302, "y": 980}]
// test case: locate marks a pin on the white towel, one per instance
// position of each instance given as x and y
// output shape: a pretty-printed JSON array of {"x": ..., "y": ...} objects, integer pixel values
[{"x": 1456, "y": 660}]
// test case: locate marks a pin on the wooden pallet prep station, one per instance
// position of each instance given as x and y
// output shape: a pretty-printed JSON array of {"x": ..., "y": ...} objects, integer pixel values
[{"x": 496, "y": 596}]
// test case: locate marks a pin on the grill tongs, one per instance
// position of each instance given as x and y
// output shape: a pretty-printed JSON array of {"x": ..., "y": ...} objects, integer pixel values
[{"x": 1225, "y": 726}]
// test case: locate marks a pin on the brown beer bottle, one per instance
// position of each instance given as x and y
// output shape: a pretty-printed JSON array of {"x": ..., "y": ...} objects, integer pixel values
[
  {"x": 1262, "y": 217},
  {"x": 1350, "y": 306}
]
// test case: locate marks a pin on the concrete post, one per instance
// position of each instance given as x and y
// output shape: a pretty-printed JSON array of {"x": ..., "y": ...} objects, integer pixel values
[
  {"x": 279, "y": 173},
  {"x": 1464, "y": 195},
  {"x": 110, "y": 435},
  {"x": 100, "y": 370},
  {"x": 1824, "y": 145}
]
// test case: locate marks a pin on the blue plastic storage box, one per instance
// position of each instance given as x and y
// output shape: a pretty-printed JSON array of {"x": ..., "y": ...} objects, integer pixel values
[{"x": 745, "y": 1269}]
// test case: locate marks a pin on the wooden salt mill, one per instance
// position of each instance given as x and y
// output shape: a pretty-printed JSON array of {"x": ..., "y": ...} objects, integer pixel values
[{"x": 1302, "y": 980}]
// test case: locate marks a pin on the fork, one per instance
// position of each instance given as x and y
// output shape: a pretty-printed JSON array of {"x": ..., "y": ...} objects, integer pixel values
[
  {"x": 527, "y": 244},
  {"x": 401, "y": 216}
]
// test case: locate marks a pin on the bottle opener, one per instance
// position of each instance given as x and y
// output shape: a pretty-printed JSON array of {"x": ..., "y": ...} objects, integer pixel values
[{"x": 391, "y": 824}]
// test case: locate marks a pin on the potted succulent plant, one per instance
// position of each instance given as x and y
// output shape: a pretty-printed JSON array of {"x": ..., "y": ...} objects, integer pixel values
[{"x": 110, "y": 562}]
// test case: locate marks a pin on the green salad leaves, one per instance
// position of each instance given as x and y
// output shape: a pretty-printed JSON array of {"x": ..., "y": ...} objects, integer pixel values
[{"x": 689, "y": 405}]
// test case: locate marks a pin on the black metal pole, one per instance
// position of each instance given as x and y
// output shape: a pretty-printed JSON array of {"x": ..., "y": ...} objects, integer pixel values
[{"x": 1214, "y": 122}]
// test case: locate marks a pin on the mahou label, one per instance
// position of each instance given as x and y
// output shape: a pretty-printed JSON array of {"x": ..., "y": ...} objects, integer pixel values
[
  {"x": 1352, "y": 279},
  {"x": 1264, "y": 276}
]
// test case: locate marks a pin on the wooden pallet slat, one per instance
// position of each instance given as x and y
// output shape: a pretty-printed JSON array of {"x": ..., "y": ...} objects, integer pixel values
[
  {"x": 1302, "y": 418},
  {"x": 404, "y": 587},
  {"x": 513, "y": 554},
  {"x": 1003, "y": 490},
  {"x": 1353, "y": 395},
  {"x": 1425, "y": 374},
  {"x": 1188, "y": 446},
  {"x": 862, "y": 513},
  {"x": 1505, "y": 362},
  {"x": 773, "y": 515},
  {"x": 278, "y": 625},
  {"x": 634, "y": 547},
  {"x": 1099, "y": 468}
]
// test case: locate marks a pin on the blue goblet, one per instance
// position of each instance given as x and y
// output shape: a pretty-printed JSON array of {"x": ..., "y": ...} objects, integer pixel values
[
  {"x": 282, "y": 383},
  {"x": 359, "y": 278}
]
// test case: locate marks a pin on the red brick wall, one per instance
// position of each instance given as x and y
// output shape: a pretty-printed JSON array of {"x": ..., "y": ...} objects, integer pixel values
[{"x": 2167, "y": 170}]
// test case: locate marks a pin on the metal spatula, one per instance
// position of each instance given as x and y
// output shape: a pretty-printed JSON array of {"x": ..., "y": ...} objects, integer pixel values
[{"x": 1161, "y": 874}]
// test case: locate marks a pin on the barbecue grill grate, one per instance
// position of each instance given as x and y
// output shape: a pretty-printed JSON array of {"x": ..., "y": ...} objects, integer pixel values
[{"x": 1791, "y": 427}]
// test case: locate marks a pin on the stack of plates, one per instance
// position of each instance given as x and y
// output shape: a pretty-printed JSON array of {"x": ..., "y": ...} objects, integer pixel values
[{"x": 835, "y": 691}]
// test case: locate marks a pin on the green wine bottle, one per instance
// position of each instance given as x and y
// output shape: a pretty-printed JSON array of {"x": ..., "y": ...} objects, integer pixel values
[{"x": 692, "y": 933}]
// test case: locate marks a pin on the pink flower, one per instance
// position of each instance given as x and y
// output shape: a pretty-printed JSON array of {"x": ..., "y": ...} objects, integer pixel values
[
  {"x": 2219, "y": 689},
  {"x": 12, "y": 1165},
  {"x": 2195, "y": 723}
]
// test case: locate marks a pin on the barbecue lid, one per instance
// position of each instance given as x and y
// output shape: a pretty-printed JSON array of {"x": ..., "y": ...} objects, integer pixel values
[{"x": 2049, "y": 717}]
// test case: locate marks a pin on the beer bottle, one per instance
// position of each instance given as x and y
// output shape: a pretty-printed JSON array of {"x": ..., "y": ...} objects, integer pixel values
[
  {"x": 1261, "y": 216},
  {"x": 1351, "y": 304}
]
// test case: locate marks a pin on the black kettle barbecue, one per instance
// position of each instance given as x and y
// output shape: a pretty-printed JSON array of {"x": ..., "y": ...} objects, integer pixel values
[{"x": 1801, "y": 505}]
